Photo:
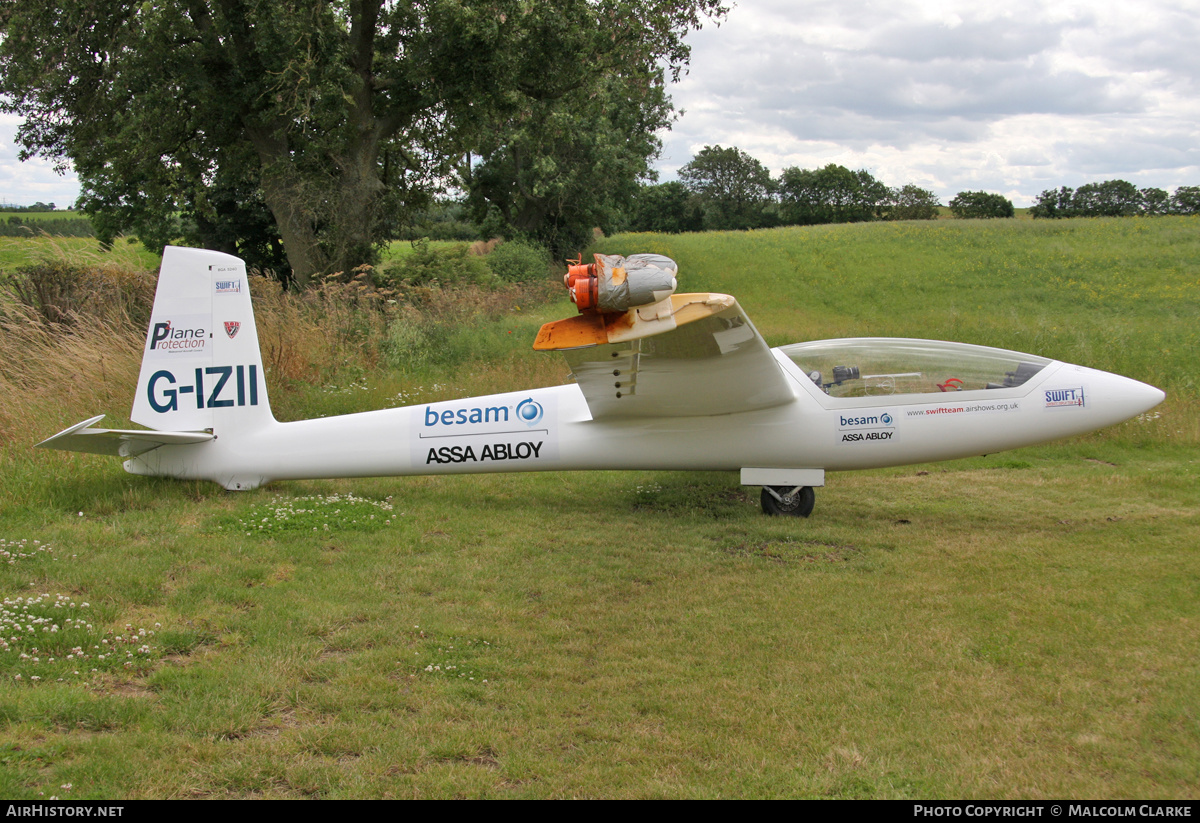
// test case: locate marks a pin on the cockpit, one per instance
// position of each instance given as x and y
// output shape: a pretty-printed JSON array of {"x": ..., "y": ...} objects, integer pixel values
[{"x": 876, "y": 366}]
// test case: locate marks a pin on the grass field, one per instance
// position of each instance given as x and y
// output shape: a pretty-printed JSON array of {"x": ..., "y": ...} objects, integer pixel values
[
  {"x": 1025, "y": 625},
  {"x": 20, "y": 251},
  {"x": 60, "y": 214}
]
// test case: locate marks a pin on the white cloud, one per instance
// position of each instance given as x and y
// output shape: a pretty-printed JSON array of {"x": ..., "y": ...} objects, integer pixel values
[
  {"x": 25, "y": 183},
  {"x": 951, "y": 95}
]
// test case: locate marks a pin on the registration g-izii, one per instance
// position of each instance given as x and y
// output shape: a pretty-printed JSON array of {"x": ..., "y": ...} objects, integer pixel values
[{"x": 659, "y": 381}]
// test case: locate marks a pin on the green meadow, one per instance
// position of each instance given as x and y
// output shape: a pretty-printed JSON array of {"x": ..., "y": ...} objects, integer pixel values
[
  {"x": 1022, "y": 625},
  {"x": 21, "y": 251}
]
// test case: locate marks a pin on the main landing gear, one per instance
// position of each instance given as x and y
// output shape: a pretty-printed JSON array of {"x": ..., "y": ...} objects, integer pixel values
[{"x": 797, "y": 501}]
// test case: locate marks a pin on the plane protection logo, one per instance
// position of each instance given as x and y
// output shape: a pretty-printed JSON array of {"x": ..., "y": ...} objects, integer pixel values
[
  {"x": 1064, "y": 398},
  {"x": 866, "y": 426},
  {"x": 180, "y": 336}
]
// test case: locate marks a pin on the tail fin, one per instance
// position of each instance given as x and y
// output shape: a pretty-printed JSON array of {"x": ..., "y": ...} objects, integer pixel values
[{"x": 202, "y": 367}]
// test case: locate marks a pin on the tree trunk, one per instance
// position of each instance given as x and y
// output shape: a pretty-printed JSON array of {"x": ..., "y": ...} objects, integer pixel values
[{"x": 284, "y": 192}]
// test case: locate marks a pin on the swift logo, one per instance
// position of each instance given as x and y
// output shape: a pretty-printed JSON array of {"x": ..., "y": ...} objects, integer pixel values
[
  {"x": 164, "y": 391},
  {"x": 228, "y": 286}
]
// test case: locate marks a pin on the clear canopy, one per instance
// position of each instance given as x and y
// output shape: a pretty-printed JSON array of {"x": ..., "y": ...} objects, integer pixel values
[{"x": 870, "y": 366}]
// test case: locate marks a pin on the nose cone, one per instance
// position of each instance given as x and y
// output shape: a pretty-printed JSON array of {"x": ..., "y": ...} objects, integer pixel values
[
  {"x": 1124, "y": 398},
  {"x": 1141, "y": 397}
]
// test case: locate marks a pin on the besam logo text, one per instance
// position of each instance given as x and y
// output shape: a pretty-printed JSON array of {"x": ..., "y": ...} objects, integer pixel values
[
  {"x": 459, "y": 417},
  {"x": 877, "y": 421},
  {"x": 528, "y": 411}
]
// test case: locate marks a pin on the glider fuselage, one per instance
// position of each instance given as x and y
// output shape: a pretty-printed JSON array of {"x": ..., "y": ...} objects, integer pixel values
[
  {"x": 661, "y": 381},
  {"x": 551, "y": 429}
]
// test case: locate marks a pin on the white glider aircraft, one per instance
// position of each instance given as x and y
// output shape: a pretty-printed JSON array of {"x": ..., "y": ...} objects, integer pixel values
[{"x": 661, "y": 381}]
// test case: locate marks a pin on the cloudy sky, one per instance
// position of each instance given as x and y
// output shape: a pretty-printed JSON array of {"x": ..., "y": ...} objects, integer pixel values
[{"x": 1012, "y": 97}]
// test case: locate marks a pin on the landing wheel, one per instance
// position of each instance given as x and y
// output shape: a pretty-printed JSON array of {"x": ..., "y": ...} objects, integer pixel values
[{"x": 796, "y": 501}]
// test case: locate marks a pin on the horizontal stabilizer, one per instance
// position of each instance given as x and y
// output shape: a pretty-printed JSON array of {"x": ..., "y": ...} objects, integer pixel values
[{"x": 119, "y": 442}]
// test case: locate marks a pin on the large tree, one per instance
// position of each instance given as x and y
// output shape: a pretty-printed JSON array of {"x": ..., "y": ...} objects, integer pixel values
[
  {"x": 668, "y": 208},
  {"x": 1112, "y": 198},
  {"x": 734, "y": 189},
  {"x": 338, "y": 115},
  {"x": 832, "y": 194}
]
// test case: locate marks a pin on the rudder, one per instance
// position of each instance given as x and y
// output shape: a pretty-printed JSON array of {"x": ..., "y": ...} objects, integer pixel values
[{"x": 201, "y": 365}]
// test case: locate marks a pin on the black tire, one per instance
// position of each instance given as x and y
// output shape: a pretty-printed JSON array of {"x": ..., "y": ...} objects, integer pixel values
[{"x": 799, "y": 505}]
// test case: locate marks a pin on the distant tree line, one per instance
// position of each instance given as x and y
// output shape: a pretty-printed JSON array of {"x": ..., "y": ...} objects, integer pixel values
[
  {"x": 39, "y": 206},
  {"x": 1115, "y": 198},
  {"x": 31, "y": 227},
  {"x": 725, "y": 188}
]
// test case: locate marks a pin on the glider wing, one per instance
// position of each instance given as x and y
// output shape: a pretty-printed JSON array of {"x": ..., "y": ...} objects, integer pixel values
[{"x": 691, "y": 355}]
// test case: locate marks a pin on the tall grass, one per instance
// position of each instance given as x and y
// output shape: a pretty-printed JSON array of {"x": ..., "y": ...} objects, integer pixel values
[{"x": 19, "y": 251}]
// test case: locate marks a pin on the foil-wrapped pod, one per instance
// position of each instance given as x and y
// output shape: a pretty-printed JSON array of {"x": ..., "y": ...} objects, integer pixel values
[{"x": 616, "y": 284}]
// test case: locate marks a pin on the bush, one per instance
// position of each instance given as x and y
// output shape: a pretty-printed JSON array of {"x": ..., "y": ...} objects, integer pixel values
[
  {"x": 438, "y": 265},
  {"x": 518, "y": 262},
  {"x": 61, "y": 292},
  {"x": 1053, "y": 204},
  {"x": 832, "y": 194},
  {"x": 668, "y": 208},
  {"x": 981, "y": 205},
  {"x": 447, "y": 220},
  {"x": 911, "y": 203},
  {"x": 1112, "y": 198}
]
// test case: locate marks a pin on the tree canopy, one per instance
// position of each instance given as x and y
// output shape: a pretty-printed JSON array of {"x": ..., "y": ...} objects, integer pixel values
[
  {"x": 339, "y": 117},
  {"x": 981, "y": 205},
  {"x": 667, "y": 207},
  {"x": 1115, "y": 198},
  {"x": 731, "y": 185},
  {"x": 832, "y": 194},
  {"x": 554, "y": 169}
]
